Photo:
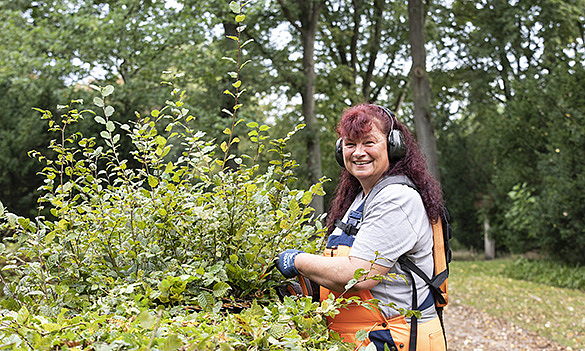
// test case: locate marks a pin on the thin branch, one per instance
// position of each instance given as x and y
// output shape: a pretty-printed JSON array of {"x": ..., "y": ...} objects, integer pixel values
[
  {"x": 374, "y": 46},
  {"x": 158, "y": 318},
  {"x": 289, "y": 16},
  {"x": 355, "y": 35}
]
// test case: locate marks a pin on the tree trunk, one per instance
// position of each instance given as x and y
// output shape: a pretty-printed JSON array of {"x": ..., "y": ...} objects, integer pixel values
[
  {"x": 374, "y": 48},
  {"x": 489, "y": 243},
  {"x": 310, "y": 11},
  {"x": 421, "y": 86},
  {"x": 313, "y": 143}
]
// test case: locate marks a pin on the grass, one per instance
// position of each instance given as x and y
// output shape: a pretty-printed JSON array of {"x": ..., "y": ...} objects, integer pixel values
[
  {"x": 548, "y": 272},
  {"x": 552, "y": 312}
]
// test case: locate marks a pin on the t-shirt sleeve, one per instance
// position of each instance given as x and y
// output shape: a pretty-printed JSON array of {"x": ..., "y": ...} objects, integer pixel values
[{"x": 389, "y": 227}]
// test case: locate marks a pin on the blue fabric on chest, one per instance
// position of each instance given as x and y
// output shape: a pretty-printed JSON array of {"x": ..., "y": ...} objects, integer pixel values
[
  {"x": 335, "y": 240},
  {"x": 354, "y": 218}
]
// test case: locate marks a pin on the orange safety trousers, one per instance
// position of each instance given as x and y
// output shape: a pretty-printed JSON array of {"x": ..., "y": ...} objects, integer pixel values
[{"x": 394, "y": 331}]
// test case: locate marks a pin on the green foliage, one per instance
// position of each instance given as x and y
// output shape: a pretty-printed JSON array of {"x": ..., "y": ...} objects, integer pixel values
[
  {"x": 464, "y": 179},
  {"x": 521, "y": 217},
  {"x": 548, "y": 272},
  {"x": 115, "y": 225},
  {"x": 50, "y": 49},
  {"x": 292, "y": 323},
  {"x": 519, "y": 124},
  {"x": 563, "y": 186},
  {"x": 25, "y": 81},
  {"x": 173, "y": 248}
]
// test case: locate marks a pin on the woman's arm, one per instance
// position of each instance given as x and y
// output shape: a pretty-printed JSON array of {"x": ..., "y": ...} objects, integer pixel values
[{"x": 335, "y": 272}]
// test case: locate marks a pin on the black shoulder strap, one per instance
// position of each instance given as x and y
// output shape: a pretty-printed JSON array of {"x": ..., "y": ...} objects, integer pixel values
[
  {"x": 434, "y": 283},
  {"x": 409, "y": 266},
  {"x": 395, "y": 179},
  {"x": 347, "y": 228},
  {"x": 351, "y": 228}
]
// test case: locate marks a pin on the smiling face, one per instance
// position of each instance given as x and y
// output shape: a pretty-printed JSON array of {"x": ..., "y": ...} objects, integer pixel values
[{"x": 366, "y": 156}]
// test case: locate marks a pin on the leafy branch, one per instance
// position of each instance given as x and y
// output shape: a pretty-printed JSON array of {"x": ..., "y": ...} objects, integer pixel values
[{"x": 236, "y": 8}]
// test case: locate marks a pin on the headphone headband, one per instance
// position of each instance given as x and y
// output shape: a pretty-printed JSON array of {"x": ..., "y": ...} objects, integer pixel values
[{"x": 390, "y": 114}]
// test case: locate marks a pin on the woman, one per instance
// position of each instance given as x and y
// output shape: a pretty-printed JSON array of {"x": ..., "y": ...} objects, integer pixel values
[{"x": 374, "y": 148}]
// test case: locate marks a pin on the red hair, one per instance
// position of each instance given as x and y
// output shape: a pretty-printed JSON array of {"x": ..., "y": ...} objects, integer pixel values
[{"x": 357, "y": 121}]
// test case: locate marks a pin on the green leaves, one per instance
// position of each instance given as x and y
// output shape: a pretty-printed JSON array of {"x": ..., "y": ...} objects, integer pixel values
[
  {"x": 22, "y": 316},
  {"x": 107, "y": 90},
  {"x": 171, "y": 289},
  {"x": 146, "y": 319},
  {"x": 206, "y": 301},
  {"x": 152, "y": 181},
  {"x": 234, "y": 7},
  {"x": 99, "y": 102},
  {"x": 171, "y": 343},
  {"x": 291, "y": 324},
  {"x": 220, "y": 289},
  {"x": 170, "y": 225},
  {"x": 110, "y": 126},
  {"x": 108, "y": 111}
]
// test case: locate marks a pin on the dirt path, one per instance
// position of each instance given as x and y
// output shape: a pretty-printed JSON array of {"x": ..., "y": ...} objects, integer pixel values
[{"x": 471, "y": 330}]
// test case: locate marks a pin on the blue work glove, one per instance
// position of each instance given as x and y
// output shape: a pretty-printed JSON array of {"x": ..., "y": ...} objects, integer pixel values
[{"x": 286, "y": 263}]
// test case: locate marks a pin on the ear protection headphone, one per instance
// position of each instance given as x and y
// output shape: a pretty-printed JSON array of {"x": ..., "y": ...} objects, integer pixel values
[{"x": 396, "y": 144}]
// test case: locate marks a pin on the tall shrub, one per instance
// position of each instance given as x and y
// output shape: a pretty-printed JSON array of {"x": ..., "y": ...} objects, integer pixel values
[{"x": 177, "y": 252}]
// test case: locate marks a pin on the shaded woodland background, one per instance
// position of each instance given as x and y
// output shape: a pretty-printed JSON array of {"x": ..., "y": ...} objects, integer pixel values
[{"x": 505, "y": 106}]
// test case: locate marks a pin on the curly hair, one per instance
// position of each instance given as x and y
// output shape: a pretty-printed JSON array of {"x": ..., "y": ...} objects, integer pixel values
[{"x": 357, "y": 121}]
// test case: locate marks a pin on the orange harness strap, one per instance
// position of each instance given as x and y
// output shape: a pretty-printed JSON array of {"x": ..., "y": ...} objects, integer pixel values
[
  {"x": 380, "y": 329},
  {"x": 354, "y": 317}
]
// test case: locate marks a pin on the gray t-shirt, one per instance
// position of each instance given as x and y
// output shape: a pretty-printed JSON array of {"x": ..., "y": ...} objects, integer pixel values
[{"x": 395, "y": 223}]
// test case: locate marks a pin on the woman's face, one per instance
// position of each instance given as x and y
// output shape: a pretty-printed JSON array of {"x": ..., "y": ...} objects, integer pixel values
[{"x": 366, "y": 157}]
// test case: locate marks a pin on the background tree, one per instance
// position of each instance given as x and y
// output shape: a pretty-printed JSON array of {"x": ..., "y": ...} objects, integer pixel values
[
  {"x": 33, "y": 70},
  {"x": 421, "y": 85},
  {"x": 52, "y": 49},
  {"x": 364, "y": 58},
  {"x": 304, "y": 16},
  {"x": 508, "y": 53}
]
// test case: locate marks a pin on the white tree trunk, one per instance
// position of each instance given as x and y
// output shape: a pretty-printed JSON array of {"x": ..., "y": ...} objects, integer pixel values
[{"x": 489, "y": 243}]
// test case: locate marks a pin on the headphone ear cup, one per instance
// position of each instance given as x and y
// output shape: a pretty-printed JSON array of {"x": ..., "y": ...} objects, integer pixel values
[
  {"x": 396, "y": 145},
  {"x": 339, "y": 152}
]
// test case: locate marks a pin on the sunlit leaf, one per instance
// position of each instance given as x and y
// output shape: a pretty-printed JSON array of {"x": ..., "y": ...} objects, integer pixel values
[
  {"x": 98, "y": 101},
  {"x": 146, "y": 320},
  {"x": 234, "y": 7},
  {"x": 108, "y": 90}
]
